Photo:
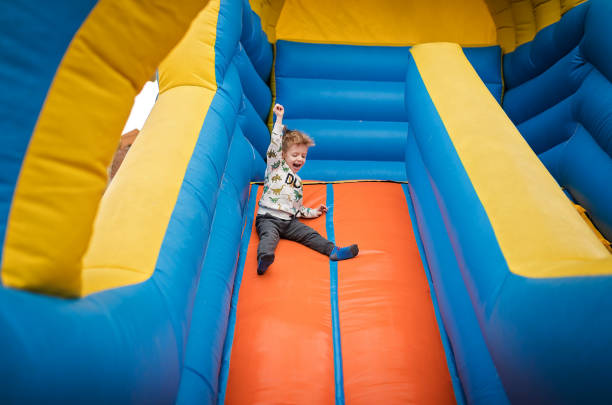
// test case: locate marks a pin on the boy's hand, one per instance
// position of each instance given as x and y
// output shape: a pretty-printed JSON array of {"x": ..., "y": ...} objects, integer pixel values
[
  {"x": 321, "y": 210},
  {"x": 279, "y": 110}
]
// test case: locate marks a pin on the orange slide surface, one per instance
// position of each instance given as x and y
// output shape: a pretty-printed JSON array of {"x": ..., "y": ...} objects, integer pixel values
[{"x": 391, "y": 349}]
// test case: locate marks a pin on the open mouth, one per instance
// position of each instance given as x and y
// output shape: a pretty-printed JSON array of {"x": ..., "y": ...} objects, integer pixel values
[{"x": 296, "y": 166}]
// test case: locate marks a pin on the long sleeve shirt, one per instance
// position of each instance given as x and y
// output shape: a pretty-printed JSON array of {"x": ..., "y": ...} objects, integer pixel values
[{"x": 282, "y": 191}]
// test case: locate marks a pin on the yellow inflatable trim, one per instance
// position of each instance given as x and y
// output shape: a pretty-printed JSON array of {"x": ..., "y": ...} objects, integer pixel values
[
  {"x": 588, "y": 221},
  {"x": 136, "y": 209},
  {"x": 508, "y": 23},
  {"x": 539, "y": 231},
  {"x": 268, "y": 12},
  {"x": 63, "y": 175},
  {"x": 390, "y": 22},
  {"x": 137, "y": 206},
  {"x": 518, "y": 21}
]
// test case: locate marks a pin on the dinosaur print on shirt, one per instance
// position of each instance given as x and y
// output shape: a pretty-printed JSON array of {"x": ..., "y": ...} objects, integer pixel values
[{"x": 285, "y": 201}]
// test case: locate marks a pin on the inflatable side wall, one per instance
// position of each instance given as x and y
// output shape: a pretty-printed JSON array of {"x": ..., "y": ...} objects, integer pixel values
[
  {"x": 67, "y": 91},
  {"x": 532, "y": 268},
  {"x": 129, "y": 344},
  {"x": 249, "y": 62},
  {"x": 559, "y": 94}
]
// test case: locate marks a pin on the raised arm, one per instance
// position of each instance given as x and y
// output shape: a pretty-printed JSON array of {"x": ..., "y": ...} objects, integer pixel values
[
  {"x": 275, "y": 149},
  {"x": 277, "y": 131}
]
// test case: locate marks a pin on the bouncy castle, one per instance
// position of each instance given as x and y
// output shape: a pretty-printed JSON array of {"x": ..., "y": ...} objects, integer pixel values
[{"x": 466, "y": 146}]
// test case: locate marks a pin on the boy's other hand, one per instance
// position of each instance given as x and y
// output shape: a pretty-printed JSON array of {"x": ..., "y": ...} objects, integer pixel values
[
  {"x": 279, "y": 110},
  {"x": 321, "y": 210}
]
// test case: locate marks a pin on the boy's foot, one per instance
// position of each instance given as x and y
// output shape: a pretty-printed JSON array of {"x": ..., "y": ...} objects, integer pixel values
[
  {"x": 344, "y": 253},
  {"x": 264, "y": 262}
]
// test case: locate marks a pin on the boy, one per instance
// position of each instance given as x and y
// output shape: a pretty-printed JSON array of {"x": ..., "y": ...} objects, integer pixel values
[{"x": 281, "y": 201}]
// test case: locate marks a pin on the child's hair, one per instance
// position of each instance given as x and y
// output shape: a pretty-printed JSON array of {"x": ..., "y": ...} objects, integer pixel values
[{"x": 295, "y": 137}]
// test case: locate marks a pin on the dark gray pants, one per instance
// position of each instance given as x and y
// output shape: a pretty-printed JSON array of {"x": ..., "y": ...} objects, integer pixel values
[{"x": 270, "y": 229}]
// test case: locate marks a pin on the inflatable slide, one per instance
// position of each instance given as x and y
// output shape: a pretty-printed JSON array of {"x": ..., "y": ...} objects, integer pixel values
[{"x": 465, "y": 146}]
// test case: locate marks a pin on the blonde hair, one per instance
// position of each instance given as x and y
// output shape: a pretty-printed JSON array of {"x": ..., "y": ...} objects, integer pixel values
[{"x": 295, "y": 137}]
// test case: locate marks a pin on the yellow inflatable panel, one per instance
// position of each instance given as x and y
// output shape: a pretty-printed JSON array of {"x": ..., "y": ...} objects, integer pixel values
[
  {"x": 538, "y": 230},
  {"x": 567, "y": 5},
  {"x": 197, "y": 44},
  {"x": 508, "y": 23},
  {"x": 137, "y": 206},
  {"x": 524, "y": 20},
  {"x": 63, "y": 175},
  {"x": 518, "y": 21},
  {"x": 391, "y": 22},
  {"x": 501, "y": 12},
  {"x": 268, "y": 11},
  {"x": 546, "y": 13}
]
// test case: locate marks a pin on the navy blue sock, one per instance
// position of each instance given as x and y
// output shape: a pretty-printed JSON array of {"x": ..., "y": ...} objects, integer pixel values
[
  {"x": 264, "y": 262},
  {"x": 344, "y": 253}
]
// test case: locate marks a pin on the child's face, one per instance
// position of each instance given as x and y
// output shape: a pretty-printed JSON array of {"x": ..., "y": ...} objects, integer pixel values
[{"x": 295, "y": 156}]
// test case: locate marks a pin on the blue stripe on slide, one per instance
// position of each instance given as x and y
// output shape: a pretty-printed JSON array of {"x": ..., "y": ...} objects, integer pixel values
[
  {"x": 333, "y": 287},
  {"x": 448, "y": 350},
  {"x": 229, "y": 337}
]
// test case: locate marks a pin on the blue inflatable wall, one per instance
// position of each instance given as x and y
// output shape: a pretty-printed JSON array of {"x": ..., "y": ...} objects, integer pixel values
[
  {"x": 130, "y": 344},
  {"x": 559, "y": 93},
  {"x": 351, "y": 100}
]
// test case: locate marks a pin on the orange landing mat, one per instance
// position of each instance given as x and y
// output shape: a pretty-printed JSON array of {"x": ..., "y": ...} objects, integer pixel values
[{"x": 391, "y": 349}]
